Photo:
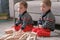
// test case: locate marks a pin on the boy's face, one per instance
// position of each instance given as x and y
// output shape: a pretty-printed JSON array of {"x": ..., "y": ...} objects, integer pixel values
[
  {"x": 22, "y": 9},
  {"x": 44, "y": 8}
]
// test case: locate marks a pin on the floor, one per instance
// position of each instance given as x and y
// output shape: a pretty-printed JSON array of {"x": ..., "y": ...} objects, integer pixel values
[{"x": 6, "y": 25}]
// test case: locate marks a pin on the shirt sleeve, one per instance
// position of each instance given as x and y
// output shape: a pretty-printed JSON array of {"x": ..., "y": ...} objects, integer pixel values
[
  {"x": 25, "y": 22},
  {"x": 49, "y": 23},
  {"x": 19, "y": 21}
]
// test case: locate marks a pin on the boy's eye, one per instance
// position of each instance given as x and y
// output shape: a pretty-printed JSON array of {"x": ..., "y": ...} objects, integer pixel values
[
  {"x": 21, "y": 8},
  {"x": 43, "y": 6}
]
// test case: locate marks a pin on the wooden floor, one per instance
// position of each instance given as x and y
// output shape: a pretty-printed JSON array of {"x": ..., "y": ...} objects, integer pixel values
[{"x": 6, "y": 25}]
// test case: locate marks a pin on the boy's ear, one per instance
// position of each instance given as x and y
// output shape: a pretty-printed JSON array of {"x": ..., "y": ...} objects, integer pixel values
[
  {"x": 49, "y": 7},
  {"x": 25, "y": 8}
]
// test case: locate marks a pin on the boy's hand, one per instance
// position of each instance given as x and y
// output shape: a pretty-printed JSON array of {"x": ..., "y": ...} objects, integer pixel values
[
  {"x": 40, "y": 26},
  {"x": 22, "y": 28},
  {"x": 16, "y": 25},
  {"x": 36, "y": 26}
]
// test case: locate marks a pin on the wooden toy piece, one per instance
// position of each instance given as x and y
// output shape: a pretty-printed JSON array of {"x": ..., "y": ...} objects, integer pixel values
[
  {"x": 10, "y": 30},
  {"x": 32, "y": 36},
  {"x": 5, "y": 36},
  {"x": 15, "y": 35},
  {"x": 24, "y": 36},
  {"x": 11, "y": 38}
]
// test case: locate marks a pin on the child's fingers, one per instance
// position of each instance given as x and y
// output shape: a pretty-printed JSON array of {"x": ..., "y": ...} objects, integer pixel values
[
  {"x": 36, "y": 26},
  {"x": 40, "y": 26}
]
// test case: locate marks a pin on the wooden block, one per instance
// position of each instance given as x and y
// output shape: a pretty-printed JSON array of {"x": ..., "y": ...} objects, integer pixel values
[
  {"x": 9, "y": 31},
  {"x": 15, "y": 36},
  {"x": 24, "y": 36},
  {"x": 5, "y": 36},
  {"x": 32, "y": 36},
  {"x": 11, "y": 38}
]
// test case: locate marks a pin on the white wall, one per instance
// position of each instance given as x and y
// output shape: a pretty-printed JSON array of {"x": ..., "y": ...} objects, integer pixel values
[
  {"x": 11, "y": 8},
  {"x": 51, "y": 0},
  {"x": 0, "y": 6}
]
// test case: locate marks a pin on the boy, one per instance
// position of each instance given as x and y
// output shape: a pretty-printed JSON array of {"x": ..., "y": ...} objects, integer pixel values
[
  {"x": 47, "y": 21},
  {"x": 25, "y": 20},
  {"x": 24, "y": 23}
]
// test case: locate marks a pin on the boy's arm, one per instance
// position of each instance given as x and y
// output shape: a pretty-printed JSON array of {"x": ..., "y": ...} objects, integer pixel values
[
  {"x": 24, "y": 24},
  {"x": 18, "y": 22},
  {"x": 48, "y": 23},
  {"x": 25, "y": 21}
]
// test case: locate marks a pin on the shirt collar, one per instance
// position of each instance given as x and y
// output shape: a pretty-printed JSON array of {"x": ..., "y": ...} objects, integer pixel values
[{"x": 46, "y": 13}]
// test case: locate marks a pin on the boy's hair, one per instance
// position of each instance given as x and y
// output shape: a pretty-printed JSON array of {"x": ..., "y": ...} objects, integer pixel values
[
  {"x": 24, "y": 3},
  {"x": 47, "y": 2}
]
